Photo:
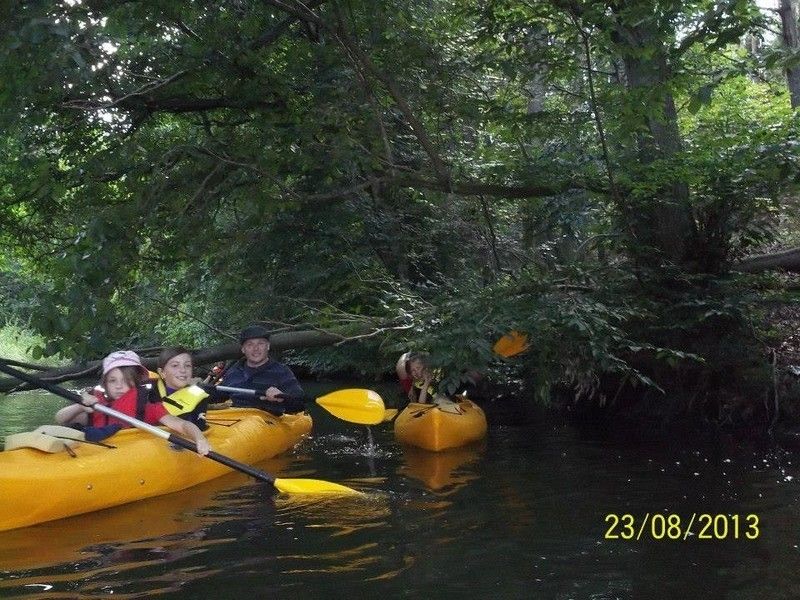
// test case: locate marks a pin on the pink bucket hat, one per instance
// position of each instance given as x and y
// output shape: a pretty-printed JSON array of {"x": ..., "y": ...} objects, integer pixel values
[{"x": 123, "y": 358}]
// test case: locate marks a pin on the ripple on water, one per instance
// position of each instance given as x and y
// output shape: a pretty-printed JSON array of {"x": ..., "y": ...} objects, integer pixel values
[
  {"x": 347, "y": 445},
  {"x": 522, "y": 518}
]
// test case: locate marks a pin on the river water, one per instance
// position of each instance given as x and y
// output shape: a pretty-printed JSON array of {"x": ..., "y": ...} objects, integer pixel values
[{"x": 528, "y": 514}]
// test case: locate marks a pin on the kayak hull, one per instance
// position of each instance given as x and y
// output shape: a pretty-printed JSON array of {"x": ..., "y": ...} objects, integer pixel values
[
  {"x": 36, "y": 487},
  {"x": 436, "y": 428}
]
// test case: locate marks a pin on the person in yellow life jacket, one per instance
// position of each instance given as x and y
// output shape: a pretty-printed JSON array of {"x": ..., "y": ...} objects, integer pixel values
[
  {"x": 423, "y": 387},
  {"x": 176, "y": 388}
]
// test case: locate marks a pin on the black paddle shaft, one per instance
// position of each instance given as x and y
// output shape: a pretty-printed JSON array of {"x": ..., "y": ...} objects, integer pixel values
[
  {"x": 221, "y": 458},
  {"x": 256, "y": 392}
]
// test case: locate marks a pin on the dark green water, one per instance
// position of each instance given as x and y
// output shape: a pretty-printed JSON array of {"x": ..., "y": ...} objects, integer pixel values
[{"x": 522, "y": 517}]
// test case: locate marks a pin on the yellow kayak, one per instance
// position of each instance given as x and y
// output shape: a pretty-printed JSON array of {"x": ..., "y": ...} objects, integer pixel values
[
  {"x": 36, "y": 486},
  {"x": 438, "y": 427}
]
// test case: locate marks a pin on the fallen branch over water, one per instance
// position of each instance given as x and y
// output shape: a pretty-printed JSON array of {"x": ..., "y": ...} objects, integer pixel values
[{"x": 202, "y": 356}]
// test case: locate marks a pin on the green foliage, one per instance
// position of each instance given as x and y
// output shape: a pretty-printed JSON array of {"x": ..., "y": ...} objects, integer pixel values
[
  {"x": 169, "y": 174},
  {"x": 19, "y": 342}
]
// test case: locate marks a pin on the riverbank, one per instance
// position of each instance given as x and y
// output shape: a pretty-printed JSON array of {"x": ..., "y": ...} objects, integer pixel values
[{"x": 17, "y": 342}]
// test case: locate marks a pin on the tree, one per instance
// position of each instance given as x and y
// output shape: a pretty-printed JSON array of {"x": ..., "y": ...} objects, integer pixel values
[
  {"x": 791, "y": 39},
  {"x": 377, "y": 166}
]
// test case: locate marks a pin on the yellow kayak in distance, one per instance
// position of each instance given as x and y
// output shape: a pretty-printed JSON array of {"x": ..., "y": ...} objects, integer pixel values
[
  {"x": 440, "y": 426},
  {"x": 36, "y": 487}
]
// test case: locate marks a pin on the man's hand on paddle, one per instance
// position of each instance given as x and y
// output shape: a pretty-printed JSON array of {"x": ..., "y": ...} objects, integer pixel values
[{"x": 271, "y": 394}]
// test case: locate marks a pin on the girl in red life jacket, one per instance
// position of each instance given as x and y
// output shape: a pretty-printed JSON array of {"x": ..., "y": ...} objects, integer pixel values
[{"x": 122, "y": 376}]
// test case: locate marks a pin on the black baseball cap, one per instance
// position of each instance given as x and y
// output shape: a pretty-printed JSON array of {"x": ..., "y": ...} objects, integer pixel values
[{"x": 253, "y": 331}]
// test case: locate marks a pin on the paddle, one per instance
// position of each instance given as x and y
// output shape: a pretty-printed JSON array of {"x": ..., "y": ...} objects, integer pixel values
[
  {"x": 355, "y": 405},
  {"x": 417, "y": 414},
  {"x": 289, "y": 486},
  {"x": 511, "y": 344}
]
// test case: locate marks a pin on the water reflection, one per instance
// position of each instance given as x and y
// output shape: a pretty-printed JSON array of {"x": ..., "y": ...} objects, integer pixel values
[
  {"x": 522, "y": 517},
  {"x": 99, "y": 552},
  {"x": 337, "y": 516},
  {"x": 342, "y": 526},
  {"x": 78, "y": 538},
  {"x": 440, "y": 470}
]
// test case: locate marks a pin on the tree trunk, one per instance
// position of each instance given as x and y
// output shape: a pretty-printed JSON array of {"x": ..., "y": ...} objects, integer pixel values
[
  {"x": 666, "y": 222},
  {"x": 202, "y": 356},
  {"x": 536, "y": 37},
  {"x": 791, "y": 39},
  {"x": 788, "y": 260}
]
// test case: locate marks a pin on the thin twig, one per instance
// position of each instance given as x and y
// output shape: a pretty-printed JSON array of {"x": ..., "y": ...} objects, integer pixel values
[
  {"x": 774, "y": 391},
  {"x": 191, "y": 316}
]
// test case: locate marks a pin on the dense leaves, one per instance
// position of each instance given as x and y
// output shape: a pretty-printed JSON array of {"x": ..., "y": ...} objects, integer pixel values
[{"x": 407, "y": 174}]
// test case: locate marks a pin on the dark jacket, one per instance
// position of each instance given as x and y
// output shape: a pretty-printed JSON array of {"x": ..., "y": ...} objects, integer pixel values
[{"x": 270, "y": 374}]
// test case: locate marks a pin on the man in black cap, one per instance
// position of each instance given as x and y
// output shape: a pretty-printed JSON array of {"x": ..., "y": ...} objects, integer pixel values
[{"x": 282, "y": 392}]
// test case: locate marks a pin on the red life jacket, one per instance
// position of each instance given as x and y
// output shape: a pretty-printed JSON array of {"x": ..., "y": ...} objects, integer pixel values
[{"x": 135, "y": 403}]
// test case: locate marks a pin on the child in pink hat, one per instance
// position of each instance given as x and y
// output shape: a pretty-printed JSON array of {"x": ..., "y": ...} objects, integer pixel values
[{"x": 122, "y": 388}]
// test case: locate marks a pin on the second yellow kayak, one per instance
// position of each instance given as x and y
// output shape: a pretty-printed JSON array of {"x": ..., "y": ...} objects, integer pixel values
[{"x": 438, "y": 427}]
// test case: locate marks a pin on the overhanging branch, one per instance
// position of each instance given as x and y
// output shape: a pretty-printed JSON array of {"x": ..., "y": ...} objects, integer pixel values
[{"x": 787, "y": 260}]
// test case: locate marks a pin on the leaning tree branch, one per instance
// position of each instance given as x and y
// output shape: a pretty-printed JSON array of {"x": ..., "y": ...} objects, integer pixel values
[
  {"x": 269, "y": 37},
  {"x": 475, "y": 188},
  {"x": 174, "y": 104},
  {"x": 788, "y": 260},
  {"x": 202, "y": 356},
  {"x": 25, "y": 365},
  {"x": 364, "y": 62},
  {"x": 410, "y": 179}
]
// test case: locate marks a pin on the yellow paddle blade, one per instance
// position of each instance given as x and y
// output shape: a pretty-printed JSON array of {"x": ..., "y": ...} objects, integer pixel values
[
  {"x": 511, "y": 344},
  {"x": 312, "y": 486},
  {"x": 389, "y": 414},
  {"x": 361, "y": 406}
]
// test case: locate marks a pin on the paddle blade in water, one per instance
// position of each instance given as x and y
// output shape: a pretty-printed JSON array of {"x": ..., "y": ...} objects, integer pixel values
[
  {"x": 511, "y": 344},
  {"x": 312, "y": 486},
  {"x": 361, "y": 406}
]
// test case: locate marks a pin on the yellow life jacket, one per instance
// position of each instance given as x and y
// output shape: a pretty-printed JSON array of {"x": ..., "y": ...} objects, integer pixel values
[
  {"x": 417, "y": 384},
  {"x": 418, "y": 387},
  {"x": 181, "y": 401}
]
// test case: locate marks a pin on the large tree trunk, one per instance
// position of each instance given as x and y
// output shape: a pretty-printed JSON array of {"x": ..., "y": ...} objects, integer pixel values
[
  {"x": 789, "y": 16},
  {"x": 665, "y": 223},
  {"x": 202, "y": 356}
]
